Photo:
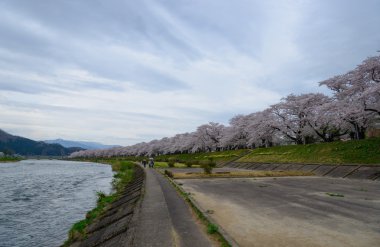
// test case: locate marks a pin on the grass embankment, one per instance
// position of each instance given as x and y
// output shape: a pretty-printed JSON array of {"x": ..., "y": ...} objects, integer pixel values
[
  {"x": 9, "y": 159},
  {"x": 350, "y": 152},
  {"x": 195, "y": 160},
  {"x": 162, "y": 164},
  {"x": 161, "y": 161},
  {"x": 123, "y": 176},
  {"x": 237, "y": 174},
  {"x": 218, "y": 157}
]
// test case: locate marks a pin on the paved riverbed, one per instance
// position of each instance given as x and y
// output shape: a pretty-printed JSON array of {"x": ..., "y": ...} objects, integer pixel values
[{"x": 292, "y": 211}]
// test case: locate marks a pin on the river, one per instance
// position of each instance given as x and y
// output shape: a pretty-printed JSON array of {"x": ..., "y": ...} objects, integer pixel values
[{"x": 41, "y": 199}]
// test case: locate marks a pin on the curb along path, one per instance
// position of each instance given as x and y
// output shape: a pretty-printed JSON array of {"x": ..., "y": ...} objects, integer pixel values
[{"x": 165, "y": 218}]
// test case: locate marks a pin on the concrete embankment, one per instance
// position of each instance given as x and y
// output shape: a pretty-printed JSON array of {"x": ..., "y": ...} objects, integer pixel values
[
  {"x": 150, "y": 213},
  {"x": 117, "y": 226},
  {"x": 371, "y": 172}
]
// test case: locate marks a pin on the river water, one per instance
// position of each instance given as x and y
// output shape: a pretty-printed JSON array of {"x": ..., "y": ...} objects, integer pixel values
[{"x": 41, "y": 199}]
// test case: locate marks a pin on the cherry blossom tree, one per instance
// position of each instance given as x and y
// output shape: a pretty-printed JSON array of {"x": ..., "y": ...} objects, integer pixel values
[
  {"x": 297, "y": 118},
  {"x": 325, "y": 118},
  {"x": 291, "y": 117},
  {"x": 236, "y": 135},
  {"x": 357, "y": 94},
  {"x": 262, "y": 129},
  {"x": 207, "y": 137}
]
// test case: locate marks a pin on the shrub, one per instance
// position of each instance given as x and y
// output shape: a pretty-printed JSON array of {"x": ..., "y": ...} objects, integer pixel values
[
  {"x": 169, "y": 174},
  {"x": 101, "y": 195},
  {"x": 211, "y": 228},
  {"x": 334, "y": 194},
  {"x": 171, "y": 162},
  {"x": 189, "y": 163},
  {"x": 208, "y": 165},
  {"x": 211, "y": 162},
  {"x": 206, "y": 168}
]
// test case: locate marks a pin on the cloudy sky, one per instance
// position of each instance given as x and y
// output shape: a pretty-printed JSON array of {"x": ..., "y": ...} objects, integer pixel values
[{"x": 124, "y": 71}]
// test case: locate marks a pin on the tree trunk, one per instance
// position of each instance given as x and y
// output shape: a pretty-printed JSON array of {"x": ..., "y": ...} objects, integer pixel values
[{"x": 359, "y": 132}]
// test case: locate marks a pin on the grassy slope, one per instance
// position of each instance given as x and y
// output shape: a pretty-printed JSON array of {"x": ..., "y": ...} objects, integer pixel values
[
  {"x": 216, "y": 156},
  {"x": 350, "y": 152},
  {"x": 162, "y": 164}
]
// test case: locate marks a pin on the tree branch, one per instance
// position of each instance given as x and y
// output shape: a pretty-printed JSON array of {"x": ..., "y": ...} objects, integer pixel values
[{"x": 373, "y": 76}]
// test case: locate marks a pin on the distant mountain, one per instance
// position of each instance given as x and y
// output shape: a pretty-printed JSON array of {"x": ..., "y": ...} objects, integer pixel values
[
  {"x": 81, "y": 144},
  {"x": 11, "y": 144}
]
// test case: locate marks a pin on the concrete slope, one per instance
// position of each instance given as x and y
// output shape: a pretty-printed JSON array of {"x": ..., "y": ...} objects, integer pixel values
[
  {"x": 116, "y": 226},
  {"x": 146, "y": 216},
  {"x": 371, "y": 172}
]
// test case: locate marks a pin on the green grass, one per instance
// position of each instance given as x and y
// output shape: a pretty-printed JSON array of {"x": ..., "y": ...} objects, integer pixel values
[
  {"x": 107, "y": 160},
  {"x": 123, "y": 176},
  {"x": 334, "y": 194},
  {"x": 78, "y": 229},
  {"x": 218, "y": 157},
  {"x": 9, "y": 159},
  {"x": 221, "y": 156},
  {"x": 350, "y": 152},
  {"x": 212, "y": 228},
  {"x": 161, "y": 164}
]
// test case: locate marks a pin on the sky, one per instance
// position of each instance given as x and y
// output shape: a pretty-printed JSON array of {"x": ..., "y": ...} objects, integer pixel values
[{"x": 122, "y": 71}]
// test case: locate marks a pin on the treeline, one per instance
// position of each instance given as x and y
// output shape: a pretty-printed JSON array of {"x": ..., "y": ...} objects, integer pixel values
[{"x": 296, "y": 119}]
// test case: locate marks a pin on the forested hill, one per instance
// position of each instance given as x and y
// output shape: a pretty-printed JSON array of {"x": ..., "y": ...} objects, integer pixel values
[{"x": 11, "y": 144}]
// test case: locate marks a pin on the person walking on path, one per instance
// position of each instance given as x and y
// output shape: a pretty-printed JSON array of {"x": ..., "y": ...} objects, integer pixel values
[
  {"x": 144, "y": 163},
  {"x": 151, "y": 162}
]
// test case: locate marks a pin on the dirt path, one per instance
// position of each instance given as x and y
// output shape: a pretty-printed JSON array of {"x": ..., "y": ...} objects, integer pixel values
[{"x": 292, "y": 211}]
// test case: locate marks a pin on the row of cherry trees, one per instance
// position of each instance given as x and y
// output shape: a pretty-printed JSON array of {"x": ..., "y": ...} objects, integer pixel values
[{"x": 299, "y": 119}]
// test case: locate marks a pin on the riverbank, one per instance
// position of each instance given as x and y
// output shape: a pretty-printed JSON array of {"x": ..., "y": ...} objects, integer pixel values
[
  {"x": 124, "y": 175},
  {"x": 9, "y": 159}
]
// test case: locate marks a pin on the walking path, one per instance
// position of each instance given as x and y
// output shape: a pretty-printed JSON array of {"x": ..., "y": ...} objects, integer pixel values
[{"x": 165, "y": 218}]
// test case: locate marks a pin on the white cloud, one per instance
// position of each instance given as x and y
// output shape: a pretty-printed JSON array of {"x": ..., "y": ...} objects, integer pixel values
[{"x": 126, "y": 72}]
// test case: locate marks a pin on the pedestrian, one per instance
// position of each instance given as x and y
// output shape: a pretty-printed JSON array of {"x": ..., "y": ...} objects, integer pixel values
[
  {"x": 144, "y": 163},
  {"x": 151, "y": 162}
]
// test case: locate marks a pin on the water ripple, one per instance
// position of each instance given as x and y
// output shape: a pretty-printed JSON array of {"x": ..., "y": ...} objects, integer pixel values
[{"x": 41, "y": 199}]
